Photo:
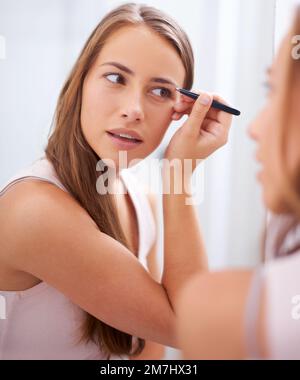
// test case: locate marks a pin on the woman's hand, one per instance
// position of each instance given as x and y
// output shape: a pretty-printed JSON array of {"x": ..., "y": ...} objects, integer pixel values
[{"x": 205, "y": 131}]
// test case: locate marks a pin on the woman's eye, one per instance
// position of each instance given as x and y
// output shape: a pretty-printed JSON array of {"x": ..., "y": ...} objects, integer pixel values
[
  {"x": 113, "y": 75},
  {"x": 166, "y": 93}
]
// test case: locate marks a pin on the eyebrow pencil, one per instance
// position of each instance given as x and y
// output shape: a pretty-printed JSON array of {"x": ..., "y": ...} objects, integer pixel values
[{"x": 215, "y": 104}]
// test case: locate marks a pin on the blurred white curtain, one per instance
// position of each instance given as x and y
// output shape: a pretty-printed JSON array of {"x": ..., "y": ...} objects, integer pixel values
[{"x": 284, "y": 16}]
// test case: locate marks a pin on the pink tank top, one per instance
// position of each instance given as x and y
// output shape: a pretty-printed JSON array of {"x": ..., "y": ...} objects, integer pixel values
[
  {"x": 40, "y": 322},
  {"x": 280, "y": 277}
]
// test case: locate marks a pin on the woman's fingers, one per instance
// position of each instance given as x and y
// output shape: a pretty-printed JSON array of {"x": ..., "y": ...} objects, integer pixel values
[
  {"x": 200, "y": 110},
  {"x": 182, "y": 108},
  {"x": 185, "y": 106},
  {"x": 176, "y": 116},
  {"x": 187, "y": 99},
  {"x": 202, "y": 133},
  {"x": 184, "y": 103},
  {"x": 217, "y": 133},
  {"x": 218, "y": 115}
]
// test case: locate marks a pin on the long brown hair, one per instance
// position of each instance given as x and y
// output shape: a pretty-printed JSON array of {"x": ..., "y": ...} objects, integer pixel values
[
  {"x": 288, "y": 182},
  {"x": 75, "y": 162}
]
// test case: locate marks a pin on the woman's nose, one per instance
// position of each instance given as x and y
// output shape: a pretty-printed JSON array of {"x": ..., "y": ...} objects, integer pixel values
[{"x": 133, "y": 111}]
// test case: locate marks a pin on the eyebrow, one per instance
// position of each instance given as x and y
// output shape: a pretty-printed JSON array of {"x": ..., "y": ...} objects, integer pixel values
[
  {"x": 269, "y": 70},
  {"x": 129, "y": 71}
]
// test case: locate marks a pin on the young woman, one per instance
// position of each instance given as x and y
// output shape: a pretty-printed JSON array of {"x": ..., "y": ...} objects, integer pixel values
[
  {"x": 256, "y": 314},
  {"x": 77, "y": 268}
]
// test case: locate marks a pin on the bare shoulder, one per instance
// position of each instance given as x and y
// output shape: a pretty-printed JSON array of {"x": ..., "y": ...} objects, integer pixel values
[
  {"x": 59, "y": 243},
  {"x": 30, "y": 207},
  {"x": 29, "y": 198}
]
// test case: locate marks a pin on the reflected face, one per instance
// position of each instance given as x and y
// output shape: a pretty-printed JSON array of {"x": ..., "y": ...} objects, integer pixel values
[
  {"x": 264, "y": 130},
  {"x": 131, "y": 86}
]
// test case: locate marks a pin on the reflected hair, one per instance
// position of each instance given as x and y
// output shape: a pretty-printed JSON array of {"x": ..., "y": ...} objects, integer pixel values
[{"x": 288, "y": 181}]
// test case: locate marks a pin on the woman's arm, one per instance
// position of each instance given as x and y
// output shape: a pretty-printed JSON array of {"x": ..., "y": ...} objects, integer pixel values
[
  {"x": 55, "y": 240},
  {"x": 153, "y": 350},
  {"x": 184, "y": 251},
  {"x": 205, "y": 131},
  {"x": 211, "y": 317}
]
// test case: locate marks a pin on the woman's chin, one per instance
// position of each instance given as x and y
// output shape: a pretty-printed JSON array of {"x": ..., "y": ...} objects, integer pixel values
[{"x": 275, "y": 204}]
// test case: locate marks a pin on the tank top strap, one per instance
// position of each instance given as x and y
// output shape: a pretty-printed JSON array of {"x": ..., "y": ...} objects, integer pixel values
[
  {"x": 144, "y": 212},
  {"x": 40, "y": 169}
]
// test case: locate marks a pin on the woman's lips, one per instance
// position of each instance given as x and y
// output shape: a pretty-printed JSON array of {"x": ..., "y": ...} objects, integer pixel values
[{"x": 121, "y": 143}]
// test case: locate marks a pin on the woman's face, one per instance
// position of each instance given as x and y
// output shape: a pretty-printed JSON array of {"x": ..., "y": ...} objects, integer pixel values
[
  {"x": 129, "y": 96},
  {"x": 264, "y": 130}
]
